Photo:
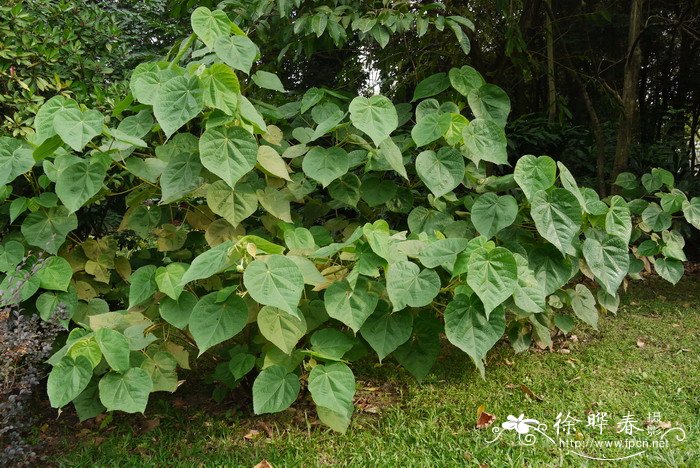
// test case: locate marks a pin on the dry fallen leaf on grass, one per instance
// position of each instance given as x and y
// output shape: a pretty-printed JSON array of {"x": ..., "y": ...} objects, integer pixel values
[
  {"x": 150, "y": 424},
  {"x": 526, "y": 390},
  {"x": 483, "y": 419},
  {"x": 263, "y": 464},
  {"x": 252, "y": 434}
]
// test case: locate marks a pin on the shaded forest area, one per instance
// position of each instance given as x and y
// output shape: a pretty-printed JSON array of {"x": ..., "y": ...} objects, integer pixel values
[{"x": 605, "y": 86}]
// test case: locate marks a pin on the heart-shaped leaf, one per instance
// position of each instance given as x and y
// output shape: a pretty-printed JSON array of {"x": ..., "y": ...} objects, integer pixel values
[
  {"x": 376, "y": 116},
  {"x": 77, "y": 127}
]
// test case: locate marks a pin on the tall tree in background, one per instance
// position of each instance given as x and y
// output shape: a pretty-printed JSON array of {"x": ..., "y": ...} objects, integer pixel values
[{"x": 630, "y": 96}]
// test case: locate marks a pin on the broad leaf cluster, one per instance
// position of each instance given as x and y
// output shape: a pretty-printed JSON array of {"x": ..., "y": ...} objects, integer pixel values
[{"x": 288, "y": 241}]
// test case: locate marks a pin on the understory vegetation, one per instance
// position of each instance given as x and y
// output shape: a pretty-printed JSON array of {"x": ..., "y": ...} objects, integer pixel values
[{"x": 632, "y": 365}]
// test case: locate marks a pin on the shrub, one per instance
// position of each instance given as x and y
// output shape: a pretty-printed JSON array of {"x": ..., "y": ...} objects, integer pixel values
[
  {"x": 25, "y": 344},
  {"x": 48, "y": 47},
  {"x": 295, "y": 238}
]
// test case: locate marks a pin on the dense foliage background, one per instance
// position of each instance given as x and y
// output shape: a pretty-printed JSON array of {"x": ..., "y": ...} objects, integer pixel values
[{"x": 236, "y": 195}]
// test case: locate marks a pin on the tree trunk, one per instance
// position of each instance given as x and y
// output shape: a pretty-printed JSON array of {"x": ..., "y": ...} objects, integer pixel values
[
  {"x": 630, "y": 106},
  {"x": 599, "y": 140},
  {"x": 551, "y": 84}
]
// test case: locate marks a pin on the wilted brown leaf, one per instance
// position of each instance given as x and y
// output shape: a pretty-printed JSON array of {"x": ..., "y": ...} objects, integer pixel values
[
  {"x": 150, "y": 424},
  {"x": 252, "y": 434},
  {"x": 483, "y": 419},
  {"x": 526, "y": 390}
]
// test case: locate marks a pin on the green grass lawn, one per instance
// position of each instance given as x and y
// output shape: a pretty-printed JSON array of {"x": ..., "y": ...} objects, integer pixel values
[{"x": 645, "y": 360}]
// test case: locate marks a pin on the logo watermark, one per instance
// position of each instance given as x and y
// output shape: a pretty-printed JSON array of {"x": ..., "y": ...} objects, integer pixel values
[{"x": 567, "y": 433}]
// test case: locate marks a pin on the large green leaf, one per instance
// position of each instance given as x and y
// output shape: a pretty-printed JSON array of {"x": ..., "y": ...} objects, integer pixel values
[
  {"x": 656, "y": 218},
  {"x": 210, "y": 25},
  {"x": 15, "y": 159},
  {"x": 491, "y": 213},
  {"x": 407, "y": 285},
  {"x": 274, "y": 390},
  {"x": 114, "y": 347},
  {"x": 551, "y": 268},
  {"x": 442, "y": 252},
  {"x": 465, "y": 79},
  {"x": 673, "y": 202},
  {"x": 430, "y": 128},
  {"x": 420, "y": 352},
  {"x": 470, "y": 329},
  {"x": 493, "y": 275},
  {"x": 213, "y": 322},
  {"x": 221, "y": 88},
  {"x": 68, "y": 379},
  {"x": 47, "y": 229},
  {"x": 126, "y": 392},
  {"x": 88, "y": 404},
  {"x": 346, "y": 189},
  {"x": 332, "y": 386},
  {"x": 392, "y": 154},
  {"x": 377, "y": 190},
  {"x": 283, "y": 329},
  {"x": 583, "y": 303},
  {"x": 276, "y": 282},
  {"x": 169, "y": 279},
  {"x": 691, "y": 210},
  {"x": 488, "y": 101},
  {"x": 179, "y": 100},
  {"x": 658, "y": 177},
  {"x": 250, "y": 114},
  {"x": 534, "y": 174},
  {"x": 11, "y": 254},
  {"x": 441, "y": 172},
  {"x": 618, "y": 220},
  {"x": 180, "y": 176},
  {"x": 55, "y": 274},
  {"x": 143, "y": 285},
  {"x": 484, "y": 140},
  {"x": 149, "y": 78},
  {"x": 267, "y": 80},
  {"x": 669, "y": 269},
  {"x": 80, "y": 182},
  {"x": 43, "y": 121},
  {"x": 529, "y": 293},
  {"x": 432, "y": 85},
  {"x": 234, "y": 205},
  {"x": 385, "y": 330},
  {"x": 325, "y": 164},
  {"x": 229, "y": 153},
  {"x": 608, "y": 260},
  {"x": 238, "y": 52},
  {"x": 47, "y": 304},
  {"x": 569, "y": 183},
  {"x": 350, "y": 305},
  {"x": 331, "y": 344},
  {"x": 77, "y": 127},
  {"x": 161, "y": 368},
  {"x": 177, "y": 313},
  {"x": 276, "y": 202},
  {"x": 375, "y": 116},
  {"x": 557, "y": 216},
  {"x": 271, "y": 162},
  {"x": 208, "y": 263},
  {"x": 453, "y": 135},
  {"x": 240, "y": 364}
]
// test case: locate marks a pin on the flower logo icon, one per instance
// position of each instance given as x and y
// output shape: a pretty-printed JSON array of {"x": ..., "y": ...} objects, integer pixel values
[{"x": 519, "y": 424}]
